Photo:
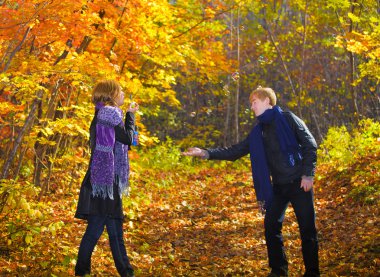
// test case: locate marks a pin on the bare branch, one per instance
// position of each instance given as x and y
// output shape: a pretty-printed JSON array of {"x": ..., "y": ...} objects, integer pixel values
[
  {"x": 204, "y": 20},
  {"x": 18, "y": 47}
]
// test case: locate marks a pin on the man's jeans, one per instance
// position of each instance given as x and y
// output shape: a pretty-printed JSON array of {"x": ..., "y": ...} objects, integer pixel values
[
  {"x": 93, "y": 232},
  {"x": 303, "y": 206}
]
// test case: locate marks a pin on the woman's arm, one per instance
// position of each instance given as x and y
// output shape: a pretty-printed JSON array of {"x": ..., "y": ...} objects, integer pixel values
[{"x": 124, "y": 134}]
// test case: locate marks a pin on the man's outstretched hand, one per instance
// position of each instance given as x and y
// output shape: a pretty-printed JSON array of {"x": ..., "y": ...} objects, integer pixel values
[{"x": 195, "y": 152}]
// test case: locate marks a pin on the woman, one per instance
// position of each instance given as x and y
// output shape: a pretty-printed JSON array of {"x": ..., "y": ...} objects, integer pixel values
[{"x": 106, "y": 179}]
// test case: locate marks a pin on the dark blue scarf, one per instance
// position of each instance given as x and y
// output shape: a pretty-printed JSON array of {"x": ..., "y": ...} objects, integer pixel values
[{"x": 288, "y": 144}]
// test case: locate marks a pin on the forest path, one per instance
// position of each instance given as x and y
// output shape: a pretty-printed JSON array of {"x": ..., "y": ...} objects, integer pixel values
[
  {"x": 204, "y": 225},
  {"x": 208, "y": 224}
]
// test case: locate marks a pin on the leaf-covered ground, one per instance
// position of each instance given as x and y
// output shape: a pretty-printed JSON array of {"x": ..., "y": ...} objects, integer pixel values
[{"x": 206, "y": 223}]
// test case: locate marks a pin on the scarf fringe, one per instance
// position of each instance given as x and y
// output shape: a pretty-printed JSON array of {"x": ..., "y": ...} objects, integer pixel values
[
  {"x": 123, "y": 187},
  {"x": 102, "y": 190}
]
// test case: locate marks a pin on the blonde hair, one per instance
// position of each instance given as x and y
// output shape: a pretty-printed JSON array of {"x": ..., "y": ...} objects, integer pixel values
[
  {"x": 106, "y": 91},
  {"x": 262, "y": 93}
]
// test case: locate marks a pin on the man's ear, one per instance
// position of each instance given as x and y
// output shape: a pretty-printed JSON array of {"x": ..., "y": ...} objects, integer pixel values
[{"x": 267, "y": 101}]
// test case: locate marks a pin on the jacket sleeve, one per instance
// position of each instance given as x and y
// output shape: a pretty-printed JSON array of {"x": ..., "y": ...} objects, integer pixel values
[
  {"x": 231, "y": 153},
  {"x": 307, "y": 143},
  {"x": 125, "y": 134}
]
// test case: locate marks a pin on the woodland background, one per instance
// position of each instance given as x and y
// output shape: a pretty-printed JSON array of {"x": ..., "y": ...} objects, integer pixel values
[{"x": 191, "y": 66}]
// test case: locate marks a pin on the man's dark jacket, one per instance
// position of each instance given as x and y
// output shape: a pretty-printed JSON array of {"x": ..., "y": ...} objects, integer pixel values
[{"x": 280, "y": 170}]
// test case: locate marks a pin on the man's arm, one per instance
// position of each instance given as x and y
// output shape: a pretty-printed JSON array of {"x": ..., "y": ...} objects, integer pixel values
[
  {"x": 308, "y": 150},
  {"x": 307, "y": 143},
  {"x": 230, "y": 153}
]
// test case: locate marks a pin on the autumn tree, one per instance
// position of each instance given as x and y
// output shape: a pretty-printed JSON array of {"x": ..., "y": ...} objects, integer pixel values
[{"x": 51, "y": 53}]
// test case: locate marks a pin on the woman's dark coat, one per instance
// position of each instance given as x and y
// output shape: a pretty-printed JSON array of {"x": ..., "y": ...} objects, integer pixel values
[{"x": 89, "y": 205}]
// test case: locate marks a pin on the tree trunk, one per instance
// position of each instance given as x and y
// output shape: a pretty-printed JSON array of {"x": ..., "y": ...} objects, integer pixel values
[
  {"x": 64, "y": 54},
  {"x": 22, "y": 154},
  {"x": 84, "y": 44},
  {"x": 41, "y": 149},
  {"x": 301, "y": 82},
  {"x": 29, "y": 119},
  {"x": 11, "y": 139},
  {"x": 319, "y": 133},
  {"x": 46, "y": 185},
  {"x": 237, "y": 135},
  {"x": 226, "y": 88},
  {"x": 278, "y": 50},
  {"x": 228, "y": 115},
  {"x": 351, "y": 56}
]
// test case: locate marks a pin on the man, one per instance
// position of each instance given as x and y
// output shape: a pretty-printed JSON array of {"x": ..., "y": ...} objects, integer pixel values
[{"x": 283, "y": 158}]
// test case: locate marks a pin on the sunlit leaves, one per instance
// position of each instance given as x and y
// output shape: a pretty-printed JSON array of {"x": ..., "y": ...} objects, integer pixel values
[
  {"x": 180, "y": 206},
  {"x": 161, "y": 51}
]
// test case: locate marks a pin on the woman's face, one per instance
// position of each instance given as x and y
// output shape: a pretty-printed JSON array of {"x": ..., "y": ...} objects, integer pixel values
[{"x": 120, "y": 98}]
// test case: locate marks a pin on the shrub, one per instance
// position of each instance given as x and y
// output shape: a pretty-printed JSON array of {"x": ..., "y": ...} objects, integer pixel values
[
  {"x": 341, "y": 147},
  {"x": 353, "y": 159}
]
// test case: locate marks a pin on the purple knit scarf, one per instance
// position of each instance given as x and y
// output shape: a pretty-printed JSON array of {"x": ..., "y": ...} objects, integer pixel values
[{"x": 110, "y": 157}]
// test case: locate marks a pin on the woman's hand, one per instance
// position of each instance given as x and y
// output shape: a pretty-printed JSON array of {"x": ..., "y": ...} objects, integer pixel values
[
  {"x": 195, "y": 152},
  {"x": 133, "y": 107}
]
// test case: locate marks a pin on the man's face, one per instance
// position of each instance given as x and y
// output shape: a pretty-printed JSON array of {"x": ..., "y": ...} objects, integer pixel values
[{"x": 259, "y": 106}]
